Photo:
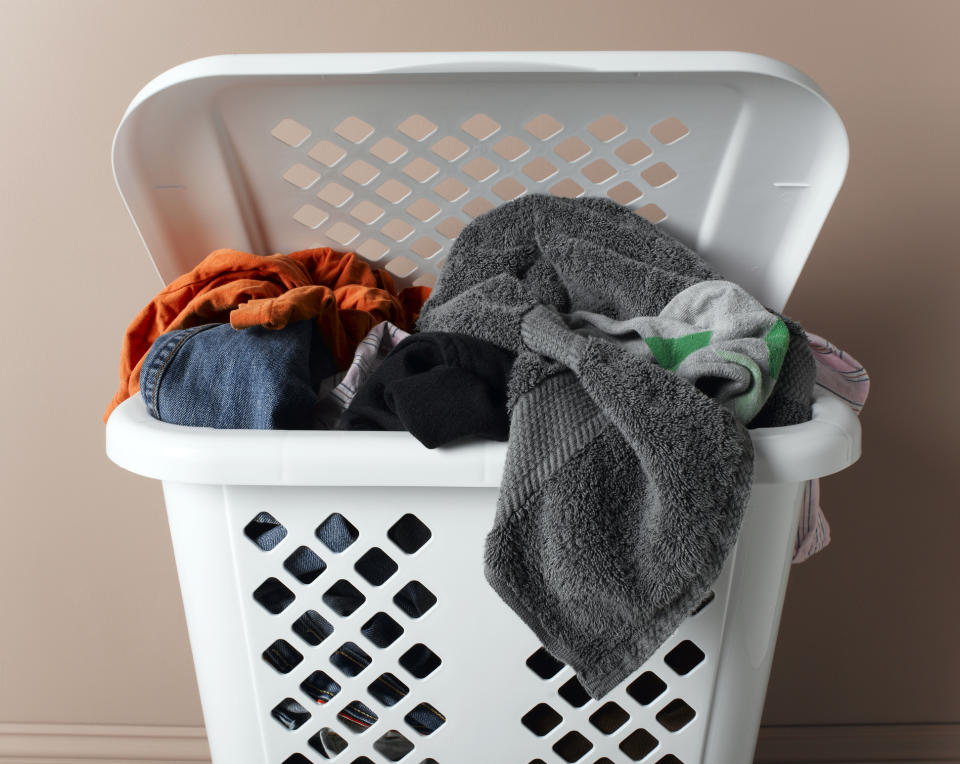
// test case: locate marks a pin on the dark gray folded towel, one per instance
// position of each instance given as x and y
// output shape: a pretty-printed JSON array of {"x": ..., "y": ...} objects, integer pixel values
[{"x": 625, "y": 485}]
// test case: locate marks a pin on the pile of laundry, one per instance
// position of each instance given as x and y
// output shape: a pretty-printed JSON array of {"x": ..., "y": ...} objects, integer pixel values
[{"x": 624, "y": 371}]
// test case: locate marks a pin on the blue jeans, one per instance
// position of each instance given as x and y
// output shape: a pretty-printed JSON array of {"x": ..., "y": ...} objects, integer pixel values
[{"x": 217, "y": 376}]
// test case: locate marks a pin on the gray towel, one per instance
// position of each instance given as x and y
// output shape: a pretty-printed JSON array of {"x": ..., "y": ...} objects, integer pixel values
[{"x": 625, "y": 485}]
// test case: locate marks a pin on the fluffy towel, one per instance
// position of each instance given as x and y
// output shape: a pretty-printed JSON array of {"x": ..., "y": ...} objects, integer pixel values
[
  {"x": 342, "y": 293},
  {"x": 625, "y": 484}
]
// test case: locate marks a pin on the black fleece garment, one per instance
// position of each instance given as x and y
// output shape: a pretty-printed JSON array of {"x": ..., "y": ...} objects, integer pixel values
[{"x": 439, "y": 386}]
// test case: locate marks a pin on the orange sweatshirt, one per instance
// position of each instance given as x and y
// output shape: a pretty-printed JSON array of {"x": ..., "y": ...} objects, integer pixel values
[{"x": 345, "y": 295}]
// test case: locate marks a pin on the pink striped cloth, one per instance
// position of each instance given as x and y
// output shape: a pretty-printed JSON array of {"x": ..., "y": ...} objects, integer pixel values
[{"x": 841, "y": 374}]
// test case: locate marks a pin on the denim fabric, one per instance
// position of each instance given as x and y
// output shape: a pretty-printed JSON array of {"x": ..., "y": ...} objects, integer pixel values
[
  {"x": 217, "y": 376},
  {"x": 425, "y": 719},
  {"x": 414, "y": 599},
  {"x": 388, "y": 689},
  {"x": 350, "y": 659},
  {"x": 337, "y": 533},
  {"x": 357, "y": 716}
]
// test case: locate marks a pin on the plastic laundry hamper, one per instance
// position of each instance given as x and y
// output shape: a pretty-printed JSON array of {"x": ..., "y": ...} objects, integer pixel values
[{"x": 391, "y": 155}]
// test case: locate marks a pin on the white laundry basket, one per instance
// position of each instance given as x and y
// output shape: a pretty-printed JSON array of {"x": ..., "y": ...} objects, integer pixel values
[{"x": 391, "y": 155}]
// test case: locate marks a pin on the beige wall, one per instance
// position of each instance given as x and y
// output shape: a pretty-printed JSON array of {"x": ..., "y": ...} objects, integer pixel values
[{"x": 91, "y": 629}]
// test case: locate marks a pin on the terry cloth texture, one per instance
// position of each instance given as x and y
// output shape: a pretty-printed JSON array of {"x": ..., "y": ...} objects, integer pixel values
[
  {"x": 625, "y": 485},
  {"x": 344, "y": 295},
  {"x": 440, "y": 387}
]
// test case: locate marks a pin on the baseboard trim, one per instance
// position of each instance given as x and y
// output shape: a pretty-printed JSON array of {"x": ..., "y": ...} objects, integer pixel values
[
  {"x": 860, "y": 744},
  {"x": 839, "y": 744},
  {"x": 86, "y": 743}
]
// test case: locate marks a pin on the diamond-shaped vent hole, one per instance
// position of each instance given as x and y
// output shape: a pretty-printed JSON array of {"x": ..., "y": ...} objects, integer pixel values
[
  {"x": 409, "y": 533},
  {"x": 353, "y": 129},
  {"x": 320, "y": 687},
  {"x": 312, "y": 627},
  {"x": 372, "y": 250},
  {"x": 652, "y": 212},
  {"x": 479, "y": 168},
  {"x": 425, "y": 247},
  {"x": 599, "y": 171},
  {"x": 543, "y": 126},
  {"x": 290, "y": 132},
  {"x": 310, "y": 216},
  {"x": 450, "y": 189},
  {"x": 301, "y": 176},
  {"x": 572, "y": 149},
  {"x": 265, "y": 531},
  {"x": 388, "y": 150},
  {"x": 420, "y": 660},
  {"x": 375, "y": 566},
  {"x": 393, "y": 746},
  {"x": 511, "y": 148},
  {"x": 357, "y": 716},
  {"x": 706, "y": 601},
  {"x": 401, "y": 266},
  {"x": 567, "y": 188},
  {"x": 449, "y": 148},
  {"x": 508, "y": 189},
  {"x": 327, "y": 743},
  {"x": 480, "y": 126},
  {"x": 297, "y": 758},
  {"x": 659, "y": 174},
  {"x": 326, "y": 152},
  {"x": 669, "y": 130},
  {"x": 414, "y": 599},
  {"x": 669, "y": 759},
  {"x": 607, "y": 128},
  {"x": 273, "y": 595},
  {"x": 417, "y": 127},
  {"x": 364, "y": 760},
  {"x": 388, "y": 689},
  {"x": 609, "y": 718},
  {"x": 394, "y": 191},
  {"x": 350, "y": 659},
  {"x": 676, "y": 715},
  {"x": 360, "y": 172},
  {"x": 646, "y": 688},
  {"x": 397, "y": 229},
  {"x": 425, "y": 719},
  {"x": 367, "y": 212},
  {"x": 450, "y": 227},
  {"x": 423, "y": 209},
  {"x": 382, "y": 630},
  {"x": 633, "y": 151},
  {"x": 572, "y": 747},
  {"x": 539, "y": 169},
  {"x": 638, "y": 744},
  {"x": 420, "y": 170},
  {"x": 343, "y": 598},
  {"x": 337, "y": 533},
  {"x": 685, "y": 657},
  {"x": 305, "y": 565},
  {"x": 290, "y": 714},
  {"x": 624, "y": 193},
  {"x": 572, "y": 692},
  {"x": 283, "y": 656},
  {"x": 335, "y": 195},
  {"x": 428, "y": 280},
  {"x": 541, "y": 719},
  {"x": 476, "y": 207},
  {"x": 543, "y": 664}
]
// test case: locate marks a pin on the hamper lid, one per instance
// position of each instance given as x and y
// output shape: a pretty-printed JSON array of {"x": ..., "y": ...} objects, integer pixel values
[{"x": 391, "y": 154}]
